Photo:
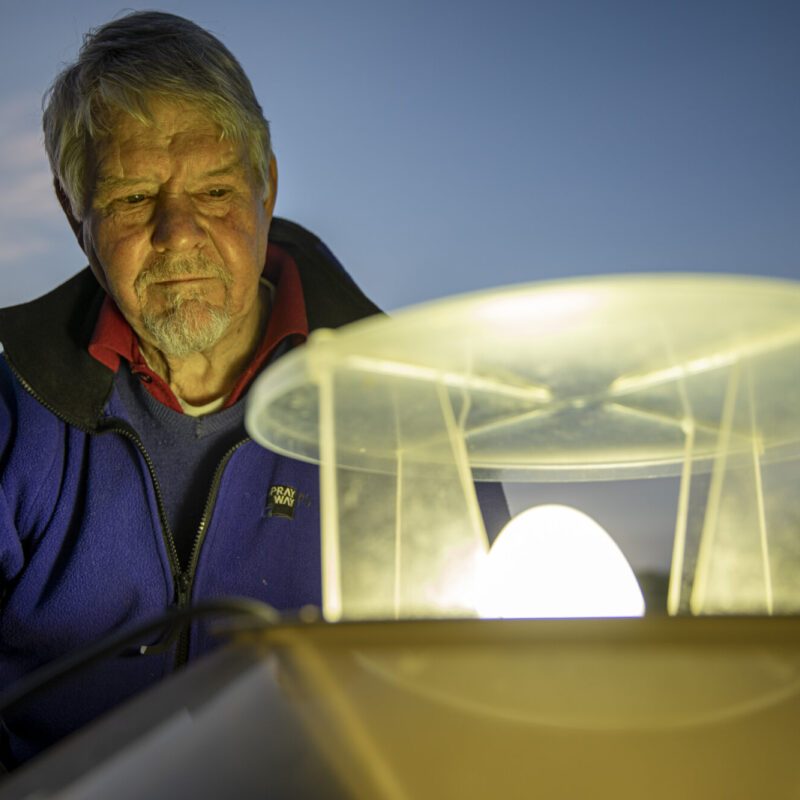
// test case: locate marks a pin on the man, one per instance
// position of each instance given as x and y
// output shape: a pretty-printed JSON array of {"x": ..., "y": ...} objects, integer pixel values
[{"x": 128, "y": 484}]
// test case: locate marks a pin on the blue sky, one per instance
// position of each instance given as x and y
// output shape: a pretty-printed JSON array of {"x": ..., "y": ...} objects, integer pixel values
[{"x": 440, "y": 147}]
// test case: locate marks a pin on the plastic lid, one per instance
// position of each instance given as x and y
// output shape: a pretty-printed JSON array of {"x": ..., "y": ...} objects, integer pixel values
[{"x": 582, "y": 379}]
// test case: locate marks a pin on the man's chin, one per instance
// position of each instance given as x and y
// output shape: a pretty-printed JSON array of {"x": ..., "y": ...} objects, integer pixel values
[{"x": 194, "y": 327}]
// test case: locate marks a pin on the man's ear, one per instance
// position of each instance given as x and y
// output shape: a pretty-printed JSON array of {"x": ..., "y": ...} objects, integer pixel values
[
  {"x": 66, "y": 207},
  {"x": 272, "y": 193}
]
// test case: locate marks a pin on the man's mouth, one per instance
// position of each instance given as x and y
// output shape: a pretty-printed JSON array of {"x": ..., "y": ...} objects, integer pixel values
[
  {"x": 180, "y": 276},
  {"x": 182, "y": 279}
]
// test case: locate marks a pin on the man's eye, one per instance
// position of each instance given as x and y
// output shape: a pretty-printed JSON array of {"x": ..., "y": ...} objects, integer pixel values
[
  {"x": 218, "y": 192},
  {"x": 135, "y": 199}
]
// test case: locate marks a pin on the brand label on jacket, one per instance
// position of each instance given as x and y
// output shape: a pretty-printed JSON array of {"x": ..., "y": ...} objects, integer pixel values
[{"x": 282, "y": 501}]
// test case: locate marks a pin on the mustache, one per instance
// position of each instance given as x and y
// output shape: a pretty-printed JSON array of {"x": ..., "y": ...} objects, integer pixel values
[{"x": 165, "y": 268}]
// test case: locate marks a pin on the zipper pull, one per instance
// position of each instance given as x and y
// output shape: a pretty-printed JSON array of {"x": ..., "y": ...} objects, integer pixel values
[{"x": 183, "y": 585}]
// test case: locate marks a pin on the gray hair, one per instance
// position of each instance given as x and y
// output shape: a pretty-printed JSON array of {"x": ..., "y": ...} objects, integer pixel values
[{"x": 127, "y": 63}]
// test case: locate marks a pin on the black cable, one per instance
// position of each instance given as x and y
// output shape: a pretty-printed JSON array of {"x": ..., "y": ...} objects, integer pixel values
[{"x": 111, "y": 645}]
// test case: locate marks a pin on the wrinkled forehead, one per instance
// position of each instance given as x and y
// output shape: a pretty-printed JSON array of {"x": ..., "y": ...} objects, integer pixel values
[
  {"x": 173, "y": 137},
  {"x": 159, "y": 124}
]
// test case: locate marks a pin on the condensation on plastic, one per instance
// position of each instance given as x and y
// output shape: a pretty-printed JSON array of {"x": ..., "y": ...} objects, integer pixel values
[{"x": 598, "y": 379}]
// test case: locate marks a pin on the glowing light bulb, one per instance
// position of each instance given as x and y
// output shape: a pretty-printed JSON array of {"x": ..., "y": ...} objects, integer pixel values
[{"x": 556, "y": 561}]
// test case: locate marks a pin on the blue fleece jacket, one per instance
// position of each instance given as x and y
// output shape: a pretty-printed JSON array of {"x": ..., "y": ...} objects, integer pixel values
[{"x": 83, "y": 552}]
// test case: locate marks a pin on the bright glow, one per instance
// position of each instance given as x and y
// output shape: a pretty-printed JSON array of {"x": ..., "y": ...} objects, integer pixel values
[
  {"x": 555, "y": 561},
  {"x": 553, "y": 309}
]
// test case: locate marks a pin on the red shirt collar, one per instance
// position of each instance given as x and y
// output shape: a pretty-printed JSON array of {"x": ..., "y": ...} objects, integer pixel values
[{"x": 113, "y": 338}]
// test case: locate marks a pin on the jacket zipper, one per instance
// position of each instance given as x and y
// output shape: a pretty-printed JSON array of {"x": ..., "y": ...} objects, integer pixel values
[
  {"x": 183, "y": 579},
  {"x": 182, "y": 655},
  {"x": 120, "y": 427}
]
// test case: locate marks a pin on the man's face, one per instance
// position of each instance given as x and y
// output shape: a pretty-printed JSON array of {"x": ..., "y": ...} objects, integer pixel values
[{"x": 176, "y": 229}]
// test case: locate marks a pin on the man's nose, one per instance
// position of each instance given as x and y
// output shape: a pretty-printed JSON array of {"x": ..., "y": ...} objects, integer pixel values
[{"x": 176, "y": 227}]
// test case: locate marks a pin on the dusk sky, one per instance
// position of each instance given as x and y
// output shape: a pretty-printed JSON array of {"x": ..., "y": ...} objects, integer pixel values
[{"x": 440, "y": 147}]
